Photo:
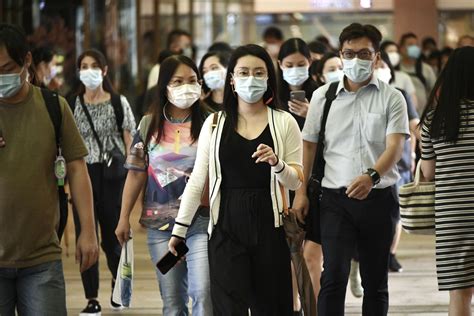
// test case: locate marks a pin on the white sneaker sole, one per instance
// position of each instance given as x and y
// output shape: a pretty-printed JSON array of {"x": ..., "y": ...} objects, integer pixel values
[{"x": 91, "y": 314}]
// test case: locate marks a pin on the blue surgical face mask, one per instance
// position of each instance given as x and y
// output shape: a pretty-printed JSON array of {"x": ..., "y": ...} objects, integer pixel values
[
  {"x": 414, "y": 51},
  {"x": 10, "y": 84},
  {"x": 333, "y": 76},
  {"x": 215, "y": 79},
  {"x": 295, "y": 76},
  {"x": 250, "y": 89},
  {"x": 357, "y": 70}
]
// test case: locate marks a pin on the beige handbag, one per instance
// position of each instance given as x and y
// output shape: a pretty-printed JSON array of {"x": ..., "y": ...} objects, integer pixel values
[{"x": 417, "y": 206}]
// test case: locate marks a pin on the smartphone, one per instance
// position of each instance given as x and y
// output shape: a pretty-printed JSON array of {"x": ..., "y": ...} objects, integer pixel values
[
  {"x": 169, "y": 260},
  {"x": 299, "y": 95}
]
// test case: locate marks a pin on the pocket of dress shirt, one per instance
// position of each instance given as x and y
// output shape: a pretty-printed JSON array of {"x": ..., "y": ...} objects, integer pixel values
[{"x": 375, "y": 127}]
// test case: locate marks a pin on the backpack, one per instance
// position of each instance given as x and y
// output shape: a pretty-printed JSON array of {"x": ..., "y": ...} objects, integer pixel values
[{"x": 51, "y": 99}]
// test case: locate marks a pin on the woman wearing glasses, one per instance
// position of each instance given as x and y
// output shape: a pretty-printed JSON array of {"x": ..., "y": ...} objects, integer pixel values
[
  {"x": 252, "y": 157},
  {"x": 162, "y": 158}
]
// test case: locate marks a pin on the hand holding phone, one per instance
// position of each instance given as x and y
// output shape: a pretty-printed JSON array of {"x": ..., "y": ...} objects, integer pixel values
[{"x": 169, "y": 260}]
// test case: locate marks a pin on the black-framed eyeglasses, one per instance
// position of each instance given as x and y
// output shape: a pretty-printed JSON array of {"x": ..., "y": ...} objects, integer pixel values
[{"x": 365, "y": 54}]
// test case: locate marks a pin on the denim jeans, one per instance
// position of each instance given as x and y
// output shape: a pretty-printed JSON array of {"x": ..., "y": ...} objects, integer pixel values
[
  {"x": 189, "y": 279},
  {"x": 37, "y": 290}
]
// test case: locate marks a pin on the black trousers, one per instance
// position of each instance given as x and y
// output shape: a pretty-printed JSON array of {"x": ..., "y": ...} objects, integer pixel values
[
  {"x": 107, "y": 203},
  {"x": 249, "y": 258},
  {"x": 346, "y": 224}
]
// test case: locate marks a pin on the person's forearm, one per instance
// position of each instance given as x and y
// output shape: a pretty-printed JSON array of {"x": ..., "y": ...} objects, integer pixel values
[
  {"x": 127, "y": 139},
  {"x": 81, "y": 191},
  {"x": 390, "y": 157},
  {"x": 133, "y": 186},
  {"x": 309, "y": 154}
]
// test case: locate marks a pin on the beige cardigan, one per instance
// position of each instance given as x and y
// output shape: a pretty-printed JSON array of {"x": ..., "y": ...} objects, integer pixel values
[{"x": 287, "y": 146}]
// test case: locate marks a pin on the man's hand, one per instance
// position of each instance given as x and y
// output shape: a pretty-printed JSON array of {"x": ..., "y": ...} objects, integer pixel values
[
  {"x": 87, "y": 250},
  {"x": 360, "y": 187},
  {"x": 300, "y": 206}
]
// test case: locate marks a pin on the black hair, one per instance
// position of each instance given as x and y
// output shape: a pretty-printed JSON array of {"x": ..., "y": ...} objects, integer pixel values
[
  {"x": 313, "y": 67},
  {"x": 357, "y": 30},
  {"x": 320, "y": 66},
  {"x": 167, "y": 70},
  {"x": 318, "y": 47},
  {"x": 42, "y": 54},
  {"x": 428, "y": 41},
  {"x": 174, "y": 34},
  {"x": 386, "y": 60},
  {"x": 270, "y": 97},
  {"x": 447, "y": 51},
  {"x": 220, "y": 47},
  {"x": 102, "y": 62},
  {"x": 164, "y": 54},
  {"x": 386, "y": 44},
  {"x": 289, "y": 47},
  {"x": 453, "y": 87},
  {"x": 323, "y": 39},
  {"x": 13, "y": 38},
  {"x": 406, "y": 36},
  {"x": 223, "y": 58},
  {"x": 273, "y": 32}
]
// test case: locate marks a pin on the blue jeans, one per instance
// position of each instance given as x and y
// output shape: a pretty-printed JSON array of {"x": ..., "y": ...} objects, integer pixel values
[
  {"x": 37, "y": 290},
  {"x": 187, "y": 279}
]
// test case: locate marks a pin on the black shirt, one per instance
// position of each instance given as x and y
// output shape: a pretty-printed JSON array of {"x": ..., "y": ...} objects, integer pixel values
[{"x": 239, "y": 169}]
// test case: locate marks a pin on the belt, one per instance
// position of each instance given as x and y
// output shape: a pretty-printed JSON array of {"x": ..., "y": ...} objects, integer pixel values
[{"x": 373, "y": 193}]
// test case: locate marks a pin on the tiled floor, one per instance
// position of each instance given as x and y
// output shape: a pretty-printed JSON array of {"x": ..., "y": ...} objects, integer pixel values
[{"x": 412, "y": 292}]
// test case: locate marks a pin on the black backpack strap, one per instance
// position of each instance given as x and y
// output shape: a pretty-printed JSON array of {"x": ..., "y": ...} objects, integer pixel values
[
  {"x": 71, "y": 100},
  {"x": 318, "y": 171},
  {"x": 51, "y": 99},
  {"x": 118, "y": 111}
]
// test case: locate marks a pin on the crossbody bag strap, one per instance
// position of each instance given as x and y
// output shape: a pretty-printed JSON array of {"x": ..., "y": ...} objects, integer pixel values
[
  {"x": 318, "y": 172},
  {"x": 91, "y": 123}
]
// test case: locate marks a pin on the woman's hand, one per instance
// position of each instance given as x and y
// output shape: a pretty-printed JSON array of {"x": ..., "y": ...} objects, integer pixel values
[
  {"x": 264, "y": 153},
  {"x": 299, "y": 108},
  {"x": 123, "y": 231}
]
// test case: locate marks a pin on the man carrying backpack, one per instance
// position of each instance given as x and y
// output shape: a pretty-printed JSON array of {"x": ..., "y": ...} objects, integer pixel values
[{"x": 32, "y": 167}]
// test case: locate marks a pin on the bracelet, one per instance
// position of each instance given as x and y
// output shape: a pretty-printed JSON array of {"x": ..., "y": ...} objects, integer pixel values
[
  {"x": 279, "y": 171},
  {"x": 276, "y": 163}
]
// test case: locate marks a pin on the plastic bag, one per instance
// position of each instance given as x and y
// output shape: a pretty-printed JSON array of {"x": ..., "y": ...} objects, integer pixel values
[{"x": 123, "y": 285}]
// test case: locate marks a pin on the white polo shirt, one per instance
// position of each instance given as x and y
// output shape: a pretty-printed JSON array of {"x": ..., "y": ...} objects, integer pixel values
[{"x": 356, "y": 130}]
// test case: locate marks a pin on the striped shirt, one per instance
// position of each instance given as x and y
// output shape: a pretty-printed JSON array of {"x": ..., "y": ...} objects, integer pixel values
[{"x": 454, "y": 201}]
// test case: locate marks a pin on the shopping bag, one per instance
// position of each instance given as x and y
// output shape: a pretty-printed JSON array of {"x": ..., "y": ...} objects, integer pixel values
[{"x": 124, "y": 281}]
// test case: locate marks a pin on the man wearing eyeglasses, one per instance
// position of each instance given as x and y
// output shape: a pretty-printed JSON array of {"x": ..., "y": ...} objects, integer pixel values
[{"x": 365, "y": 131}]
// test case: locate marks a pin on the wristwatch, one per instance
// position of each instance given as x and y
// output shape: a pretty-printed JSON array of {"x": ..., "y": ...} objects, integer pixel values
[{"x": 374, "y": 175}]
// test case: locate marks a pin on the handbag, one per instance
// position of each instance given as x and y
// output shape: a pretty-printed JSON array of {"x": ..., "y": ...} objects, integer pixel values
[
  {"x": 314, "y": 189},
  {"x": 417, "y": 206},
  {"x": 114, "y": 159}
]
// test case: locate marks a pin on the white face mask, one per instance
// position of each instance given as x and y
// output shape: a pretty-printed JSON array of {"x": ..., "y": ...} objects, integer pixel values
[
  {"x": 295, "y": 76},
  {"x": 10, "y": 84},
  {"x": 185, "y": 95},
  {"x": 333, "y": 76},
  {"x": 357, "y": 70},
  {"x": 383, "y": 74},
  {"x": 394, "y": 58},
  {"x": 215, "y": 79},
  {"x": 91, "y": 78},
  {"x": 250, "y": 89}
]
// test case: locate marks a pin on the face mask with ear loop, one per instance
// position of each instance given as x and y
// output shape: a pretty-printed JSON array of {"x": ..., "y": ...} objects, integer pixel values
[{"x": 10, "y": 84}]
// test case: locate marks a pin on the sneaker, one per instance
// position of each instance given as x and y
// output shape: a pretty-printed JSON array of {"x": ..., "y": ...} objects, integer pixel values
[
  {"x": 393, "y": 264},
  {"x": 92, "y": 309},
  {"x": 355, "y": 281}
]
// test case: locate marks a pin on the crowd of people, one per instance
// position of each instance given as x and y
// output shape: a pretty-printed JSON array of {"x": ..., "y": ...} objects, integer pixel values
[{"x": 223, "y": 155}]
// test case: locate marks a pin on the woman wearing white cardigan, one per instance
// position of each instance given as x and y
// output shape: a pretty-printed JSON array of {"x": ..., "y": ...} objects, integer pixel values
[{"x": 252, "y": 158}]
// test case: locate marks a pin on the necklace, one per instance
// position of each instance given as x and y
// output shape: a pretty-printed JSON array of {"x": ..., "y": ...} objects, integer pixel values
[{"x": 172, "y": 119}]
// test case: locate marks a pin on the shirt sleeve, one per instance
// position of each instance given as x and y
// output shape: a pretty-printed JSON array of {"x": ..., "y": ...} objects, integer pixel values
[
  {"x": 427, "y": 150},
  {"x": 408, "y": 85},
  {"x": 397, "y": 115},
  {"x": 72, "y": 144},
  {"x": 430, "y": 76},
  {"x": 412, "y": 114},
  {"x": 312, "y": 124},
  {"x": 129, "y": 123}
]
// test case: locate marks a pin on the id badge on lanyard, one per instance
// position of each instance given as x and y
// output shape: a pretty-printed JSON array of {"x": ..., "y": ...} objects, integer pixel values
[{"x": 60, "y": 168}]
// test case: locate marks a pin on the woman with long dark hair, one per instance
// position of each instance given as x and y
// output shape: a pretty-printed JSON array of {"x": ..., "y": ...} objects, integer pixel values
[
  {"x": 252, "y": 157},
  {"x": 213, "y": 69},
  {"x": 447, "y": 147},
  {"x": 161, "y": 161},
  {"x": 105, "y": 121}
]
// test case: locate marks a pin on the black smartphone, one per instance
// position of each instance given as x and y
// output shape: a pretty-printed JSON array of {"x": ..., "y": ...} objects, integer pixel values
[
  {"x": 299, "y": 95},
  {"x": 169, "y": 260}
]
